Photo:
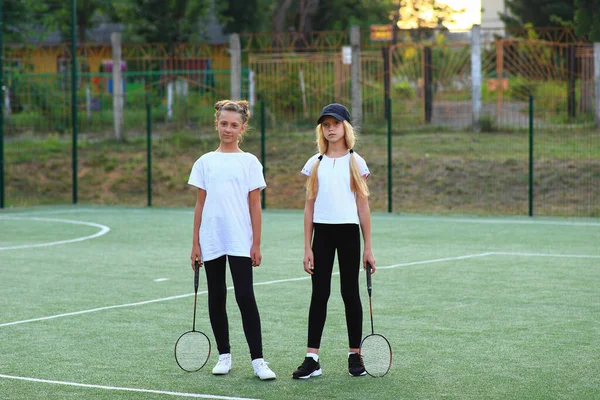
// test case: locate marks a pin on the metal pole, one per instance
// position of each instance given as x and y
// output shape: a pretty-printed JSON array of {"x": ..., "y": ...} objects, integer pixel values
[
  {"x": 389, "y": 133},
  {"x": 149, "y": 150},
  {"x": 2, "y": 89},
  {"x": 263, "y": 153},
  {"x": 74, "y": 94},
  {"x": 531, "y": 155}
]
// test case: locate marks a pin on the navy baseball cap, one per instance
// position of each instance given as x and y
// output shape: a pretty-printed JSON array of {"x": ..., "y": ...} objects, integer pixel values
[{"x": 336, "y": 111}]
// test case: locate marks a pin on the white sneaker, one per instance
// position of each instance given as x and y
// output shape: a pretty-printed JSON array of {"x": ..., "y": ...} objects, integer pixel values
[
  {"x": 223, "y": 365},
  {"x": 262, "y": 370}
]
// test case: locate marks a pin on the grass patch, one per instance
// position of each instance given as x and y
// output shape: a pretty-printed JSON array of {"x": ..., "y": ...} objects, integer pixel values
[{"x": 440, "y": 171}]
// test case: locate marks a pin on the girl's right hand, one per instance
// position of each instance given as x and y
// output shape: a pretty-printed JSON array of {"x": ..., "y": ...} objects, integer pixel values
[
  {"x": 196, "y": 256},
  {"x": 308, "y": 262}
]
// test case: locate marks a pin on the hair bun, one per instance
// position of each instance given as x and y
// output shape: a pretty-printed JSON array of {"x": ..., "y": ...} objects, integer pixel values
[{"x": 220, "y": 104}]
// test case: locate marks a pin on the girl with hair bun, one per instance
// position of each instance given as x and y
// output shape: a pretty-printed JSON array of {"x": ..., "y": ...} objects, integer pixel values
[
  {"x": 227, "y": 227},
  {"x": 335, "y": 213}
]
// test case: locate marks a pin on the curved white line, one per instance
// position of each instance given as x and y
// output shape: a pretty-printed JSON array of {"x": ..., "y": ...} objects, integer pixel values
[
  {"x": 86, "y": 385},
  {"x": 103, "y": 231}
]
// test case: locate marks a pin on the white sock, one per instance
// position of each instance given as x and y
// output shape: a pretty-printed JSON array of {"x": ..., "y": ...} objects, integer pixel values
[
  {"x": 351, "y": 352},
  {"x": 313, "y": 355}
]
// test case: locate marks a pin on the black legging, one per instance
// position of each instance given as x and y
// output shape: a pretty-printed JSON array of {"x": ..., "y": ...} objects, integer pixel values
[
  {"x": 241, "y": 273},
  {"x": 345, "y": 238}
]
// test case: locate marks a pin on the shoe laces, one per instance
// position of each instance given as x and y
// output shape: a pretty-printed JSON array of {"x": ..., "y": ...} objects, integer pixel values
[{"x": 261, "y": 364}]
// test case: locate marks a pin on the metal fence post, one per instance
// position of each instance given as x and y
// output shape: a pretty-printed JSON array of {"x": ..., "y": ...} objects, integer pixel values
[
  {"x": 389, "y": 134},
  {"x": 149, "y": 150},
  {"x": 597, "y": 84},
  {"x": 476, "y": 75},
  {"x": 428, "y": 82},
  {"x": 74, "y": 94},
  {"x": 117, "y": 86},
  {"x": 263, "y": 152},
  {"x": 1, "y": 108},
  {"x": 531, "y": 155},
  {"x": 355, "y": 68}
]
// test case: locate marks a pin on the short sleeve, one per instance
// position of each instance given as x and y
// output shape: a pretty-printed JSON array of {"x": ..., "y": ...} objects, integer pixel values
[
  {"x": 307, "y": 169},
  {"x": 256, "y": 179},
  {"x": 362, "y": 166},
  {"x": 197, "y": 175}
]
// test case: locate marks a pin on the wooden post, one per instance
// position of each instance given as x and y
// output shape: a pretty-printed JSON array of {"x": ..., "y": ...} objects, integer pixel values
[
  {"x": 500, "y": 75},
  {"x": 117, "y": 87},
  {"x": 235, "y": 52},
  {"x": 571, "y": 81}
]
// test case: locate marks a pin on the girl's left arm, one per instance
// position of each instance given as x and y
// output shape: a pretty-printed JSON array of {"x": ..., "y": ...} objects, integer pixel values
[
  {"x": 364, "y": 216},
  {"x": 256, "y": 220}
]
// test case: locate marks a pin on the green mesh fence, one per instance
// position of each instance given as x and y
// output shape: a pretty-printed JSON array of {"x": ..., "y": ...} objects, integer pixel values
[{"x": 439, "y": 165}]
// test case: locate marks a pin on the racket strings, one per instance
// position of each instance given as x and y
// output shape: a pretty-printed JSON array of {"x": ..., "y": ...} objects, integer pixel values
[
  {"x": 192, "y": 351},
  {"x": 376, "y": 355}
]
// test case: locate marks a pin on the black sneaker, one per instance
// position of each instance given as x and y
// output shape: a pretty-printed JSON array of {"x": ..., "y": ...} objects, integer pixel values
[
  {"x": 355, "y": 365},
  {"x": 309, "y": 368}
]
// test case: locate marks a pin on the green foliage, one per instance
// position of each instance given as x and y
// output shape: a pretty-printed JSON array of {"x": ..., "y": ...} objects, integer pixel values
[
  {"x": 24, "y": 20},
  {"x": 245, "y": 15},
  {"x": 587, "y": 19},
  {"x": 342, "y": 14},
  {"x": 540, "y": 13},
  {"x": 405, "y": 91},
  {"x": 162, "y": 21},
  {"x": 487, "y": 123}
]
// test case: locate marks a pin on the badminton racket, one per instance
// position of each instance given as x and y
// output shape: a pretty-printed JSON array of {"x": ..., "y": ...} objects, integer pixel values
[
  {"x": 375, "y": 350},
  {"x": 192, "y": 349}
]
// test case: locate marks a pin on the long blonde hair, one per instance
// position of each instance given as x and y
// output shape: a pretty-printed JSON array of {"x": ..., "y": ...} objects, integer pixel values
[{"x": 358, "y": 184}]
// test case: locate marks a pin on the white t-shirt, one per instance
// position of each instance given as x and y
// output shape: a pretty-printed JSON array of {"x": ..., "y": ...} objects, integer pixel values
[
  {"x": 335, "y": 202},
  {"x": 226, "y": 227}
]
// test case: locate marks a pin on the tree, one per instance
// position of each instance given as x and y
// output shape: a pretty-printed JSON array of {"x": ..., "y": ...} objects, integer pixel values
[
  {"x": 587, "y": 19},
  {"x": 538, "y": 13},
  {"x": 245, "y": 15},
  {"x": 342, "y": 14},
  {"x": 59, "y": 16},
  {"x": 314, "y": 15},
  {"x": 166, "y": 21},
  {"x": 25, "y": 20}
]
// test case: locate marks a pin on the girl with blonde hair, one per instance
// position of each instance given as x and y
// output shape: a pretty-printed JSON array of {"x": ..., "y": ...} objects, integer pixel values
[
  {"x": 335, "y": 213},
  {"x": 227, "y": 227}
]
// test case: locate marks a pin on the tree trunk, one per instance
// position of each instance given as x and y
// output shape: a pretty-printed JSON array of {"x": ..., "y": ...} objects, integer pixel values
[{"x": 280, "y": 14}]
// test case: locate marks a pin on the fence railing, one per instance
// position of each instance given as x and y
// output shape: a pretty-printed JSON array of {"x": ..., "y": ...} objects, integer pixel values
[{"x": 439, "y": 162}]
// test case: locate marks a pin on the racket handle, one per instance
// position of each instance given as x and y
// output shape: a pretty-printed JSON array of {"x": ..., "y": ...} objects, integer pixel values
[
  {"x": 196, "y": 272},
  {"x": 369, "y": 286}
]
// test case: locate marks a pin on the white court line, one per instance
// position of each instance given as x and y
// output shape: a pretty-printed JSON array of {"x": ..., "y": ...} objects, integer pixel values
[
  {"x": 103, "y": 231},
  {"x": 85, "y": 385},
  {"x": 438, "y": 260},
  {"x": 140, "y": 303},
  {"x": 508, "y": 253},
  {"x": 229, "y": 288}
]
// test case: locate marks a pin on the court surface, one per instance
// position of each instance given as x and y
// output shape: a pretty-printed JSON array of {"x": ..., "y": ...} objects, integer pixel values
[{"x": 94, "y": 298}]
